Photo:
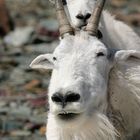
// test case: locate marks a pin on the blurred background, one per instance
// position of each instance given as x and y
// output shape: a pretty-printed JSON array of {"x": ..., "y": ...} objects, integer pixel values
[{"x": 29, "y": 28}]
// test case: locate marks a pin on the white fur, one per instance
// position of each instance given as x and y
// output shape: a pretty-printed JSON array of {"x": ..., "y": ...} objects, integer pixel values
[
  {"x": 97, "y": 128},
  {"x": 117, "y": 34},
  {"x": 108, "y": 86}
]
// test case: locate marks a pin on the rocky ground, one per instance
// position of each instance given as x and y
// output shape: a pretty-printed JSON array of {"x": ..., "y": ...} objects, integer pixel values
[{"x": 23, "y": 91}]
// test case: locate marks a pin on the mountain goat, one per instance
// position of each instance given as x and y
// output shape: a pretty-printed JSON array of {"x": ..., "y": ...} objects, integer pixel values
[
  {"x": 94, "y": 92},
  {"x": 115, "y": 33}
]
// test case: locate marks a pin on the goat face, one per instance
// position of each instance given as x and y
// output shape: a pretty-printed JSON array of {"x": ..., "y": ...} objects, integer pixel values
[
  {"x": 79, "y": 79},
  {"x": 80, "y": 11},
  {"x": 78, "y": 87}
]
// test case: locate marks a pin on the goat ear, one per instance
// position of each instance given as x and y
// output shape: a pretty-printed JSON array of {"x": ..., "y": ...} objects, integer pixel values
[
  {"x": 126, "y": 55},
  {"x": 44, "y": 61}
]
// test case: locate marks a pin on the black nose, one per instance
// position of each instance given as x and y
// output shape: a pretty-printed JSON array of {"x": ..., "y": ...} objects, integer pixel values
[
  {"x": 83, "y": 17},
  {"x": 69, "y": 97}
]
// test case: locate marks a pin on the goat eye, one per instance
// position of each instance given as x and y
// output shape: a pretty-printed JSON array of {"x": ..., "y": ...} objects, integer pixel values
[
  {"x": 100, "y": 54},
  {"x": 54, "y": 58}
]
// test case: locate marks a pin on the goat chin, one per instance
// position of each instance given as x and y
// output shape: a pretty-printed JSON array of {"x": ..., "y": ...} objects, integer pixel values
[{"x": 97, "y": 127}]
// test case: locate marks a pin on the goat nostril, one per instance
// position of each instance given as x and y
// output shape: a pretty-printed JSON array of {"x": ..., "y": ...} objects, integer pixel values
[
  {"x": 80, "y": 16},
  {"x": 57, "y": 98},
  {"x": 72, "y": 97},
  {"x": 87, "y": 16}
]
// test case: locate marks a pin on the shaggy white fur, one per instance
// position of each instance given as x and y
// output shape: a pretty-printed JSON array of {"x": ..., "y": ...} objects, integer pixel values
[
  {"x": 97, "y": 128},
  {"x": 124, "y": 92},
  {"x": 117, "y": 34}
]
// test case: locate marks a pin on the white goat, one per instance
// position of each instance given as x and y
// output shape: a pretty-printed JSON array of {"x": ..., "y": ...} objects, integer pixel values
[
  {"x": 115, "y": 33},
  {"x": 94, "y": 92}
]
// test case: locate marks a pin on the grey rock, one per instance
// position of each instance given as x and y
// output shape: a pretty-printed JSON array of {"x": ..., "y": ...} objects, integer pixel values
[
  {"x": 2, "y": 104},
  {"x": 23, "y": 111},
  {"x": 4, "y": 110},
  {"x": 10, "y": 125},
  {"x": 50, "y": 24},
  {"x": 21, "y": 133},
  {"x": 19, "y": 36},
  {"x": 17, "y": 76},
  {"x": 42, "y": 48}
]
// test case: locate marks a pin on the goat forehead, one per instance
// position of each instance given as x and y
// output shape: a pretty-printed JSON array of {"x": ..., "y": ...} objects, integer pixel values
[
  {"x": 79, "y": 2},
  {"x": 80, "y": 45},
  {"x": 80, "y": 56}
]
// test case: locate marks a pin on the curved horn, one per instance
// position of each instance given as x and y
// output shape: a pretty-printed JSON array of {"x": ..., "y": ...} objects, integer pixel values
[
  {"x": 92, "y": 26},
  {"x": 64, "y": 25}
]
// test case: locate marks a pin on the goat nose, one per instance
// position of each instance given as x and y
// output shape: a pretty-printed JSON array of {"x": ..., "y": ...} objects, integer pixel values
[
  {"x": 83, "y": 17},
  {"x": 80, "y": 16},
  {"x": 69, "y": 97},
  {"x": 87, "y": 16},
  {"x": 72, "y": 97}
]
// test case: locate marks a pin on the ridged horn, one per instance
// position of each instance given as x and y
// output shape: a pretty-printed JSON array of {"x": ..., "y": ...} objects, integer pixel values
[
  {"x": 92, "y": 26},
  {"x": 64, "y": 25}
]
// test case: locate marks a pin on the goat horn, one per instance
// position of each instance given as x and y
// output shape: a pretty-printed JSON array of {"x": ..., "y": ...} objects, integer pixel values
[
  {"x": 64, "y": 25},
  {"x": 92, "y": 26}
]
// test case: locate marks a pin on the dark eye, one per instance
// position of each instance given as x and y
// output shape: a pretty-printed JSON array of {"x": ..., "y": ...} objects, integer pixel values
[
  {"x": 100, "y": 54},
  {"x": 54, "y": 58}
]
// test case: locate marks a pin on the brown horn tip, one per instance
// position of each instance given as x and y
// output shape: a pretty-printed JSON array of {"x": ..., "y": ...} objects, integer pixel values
[
  {"x": 92, "y": 26},
  {"x": 64, "y": 25}
]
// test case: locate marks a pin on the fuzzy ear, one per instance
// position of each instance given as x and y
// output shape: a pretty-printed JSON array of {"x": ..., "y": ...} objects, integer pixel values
[
  {"x": 44, "y": 61},
  {"x": 126, "y": 55}
]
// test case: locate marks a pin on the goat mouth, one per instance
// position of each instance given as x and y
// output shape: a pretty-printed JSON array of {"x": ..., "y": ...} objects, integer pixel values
[
  {"x": 68, "y": 116},
  {"x": 83, "y": 26}
]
